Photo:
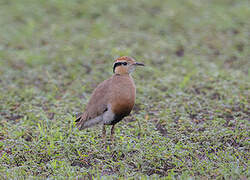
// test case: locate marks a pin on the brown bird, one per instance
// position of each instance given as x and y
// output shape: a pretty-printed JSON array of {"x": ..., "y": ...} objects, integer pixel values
[{"x": 113, "y": 99}]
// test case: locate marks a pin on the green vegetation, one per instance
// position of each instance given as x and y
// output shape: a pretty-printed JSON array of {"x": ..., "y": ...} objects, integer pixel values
[{"x": 191, "y": 117}]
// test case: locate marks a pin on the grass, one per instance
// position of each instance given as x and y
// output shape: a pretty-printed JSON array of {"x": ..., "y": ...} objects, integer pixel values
[{"x": 191, "y": 118}]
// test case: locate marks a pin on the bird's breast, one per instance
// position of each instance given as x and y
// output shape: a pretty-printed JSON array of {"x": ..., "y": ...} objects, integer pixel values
[{"x": 123, "y": 96}]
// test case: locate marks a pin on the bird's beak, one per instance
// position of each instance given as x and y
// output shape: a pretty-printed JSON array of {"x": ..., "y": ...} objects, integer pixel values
[{"x": 139, "y": 64}]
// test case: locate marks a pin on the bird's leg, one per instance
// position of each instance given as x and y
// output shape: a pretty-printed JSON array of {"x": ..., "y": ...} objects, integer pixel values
[
  {"x": 104, "y": 134},
  {"x": 112, "y": 134}
]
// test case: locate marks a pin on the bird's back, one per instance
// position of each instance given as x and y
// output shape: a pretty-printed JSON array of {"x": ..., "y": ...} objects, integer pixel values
[{"x": 115, "y": 95}]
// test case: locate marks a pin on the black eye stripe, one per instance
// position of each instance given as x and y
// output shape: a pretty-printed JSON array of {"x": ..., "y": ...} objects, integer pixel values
[{"x": 119, "y": 64}]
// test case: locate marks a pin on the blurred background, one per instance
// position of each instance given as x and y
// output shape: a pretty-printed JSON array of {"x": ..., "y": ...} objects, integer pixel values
[{"x": 192, "y": 96}]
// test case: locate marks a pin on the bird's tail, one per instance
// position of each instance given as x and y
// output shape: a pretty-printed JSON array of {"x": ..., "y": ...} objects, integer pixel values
[
  {"x": 80, "y": 120},
  {"x": 83, "y": 121}
]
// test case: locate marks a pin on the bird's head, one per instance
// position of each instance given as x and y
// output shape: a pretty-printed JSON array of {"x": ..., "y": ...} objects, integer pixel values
[{"x": 125, "y": 65}]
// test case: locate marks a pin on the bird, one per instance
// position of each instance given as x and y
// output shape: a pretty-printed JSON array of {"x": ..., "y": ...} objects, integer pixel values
[{"x": 113, "y": 99}]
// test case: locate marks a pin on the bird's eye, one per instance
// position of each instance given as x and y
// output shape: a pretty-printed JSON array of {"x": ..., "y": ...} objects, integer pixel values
[{"x": 124, "y": 63}]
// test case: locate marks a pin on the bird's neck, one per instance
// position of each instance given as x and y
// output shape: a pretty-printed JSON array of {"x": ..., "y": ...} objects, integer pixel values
[
  {"x": 124, "y": 77},
  {"x": 122, "y": 74}
]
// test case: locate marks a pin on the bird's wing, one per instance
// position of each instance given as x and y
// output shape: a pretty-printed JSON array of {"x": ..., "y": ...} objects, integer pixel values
[{"x": 97, "y": 104}]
